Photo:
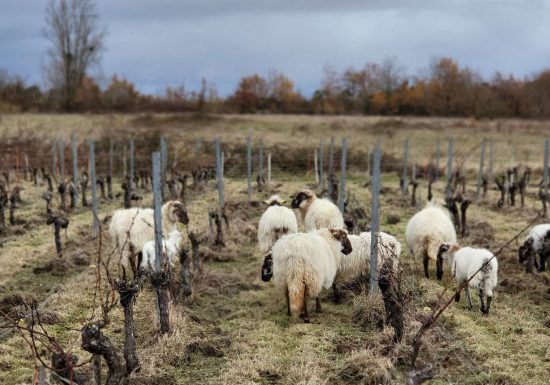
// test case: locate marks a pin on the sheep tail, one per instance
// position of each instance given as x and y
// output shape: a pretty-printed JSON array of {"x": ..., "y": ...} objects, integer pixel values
[
  {"x": 431, "y": 247},
  {"x": 296, "y": 292},
  {"x": 485, "y": 272}
]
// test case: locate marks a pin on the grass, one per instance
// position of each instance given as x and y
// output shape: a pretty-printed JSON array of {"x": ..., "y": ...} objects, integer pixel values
[{"x": 234, "y": 330}]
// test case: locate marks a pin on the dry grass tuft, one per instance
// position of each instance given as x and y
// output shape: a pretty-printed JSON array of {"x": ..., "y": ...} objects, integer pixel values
[
  {"x": 368, "y": 309},
  {"x": 365, "y": 367}
]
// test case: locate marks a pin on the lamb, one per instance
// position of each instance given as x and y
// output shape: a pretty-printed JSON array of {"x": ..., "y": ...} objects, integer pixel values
[
  {"x": 131, "y": 228},
  {"x": 467, "y": 262},
  {"x": 534, "y": 244},
  {"x": 170, "y": 245},
  {"x": 317, "y": 213},
  {"x": 275, "y": 222},
  {"x": 358, "y": 262},
  {"x": 426, "y": 231},
  {"x": 305, "y": 263}
]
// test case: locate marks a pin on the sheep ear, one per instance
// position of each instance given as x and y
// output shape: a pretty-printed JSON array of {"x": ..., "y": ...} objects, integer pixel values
[
  {"x": 455, "y": 247},
  {"x": 283, "y": 200},
  {"x": 266, "y": 202},
  {"x": 444, "y": 247}
]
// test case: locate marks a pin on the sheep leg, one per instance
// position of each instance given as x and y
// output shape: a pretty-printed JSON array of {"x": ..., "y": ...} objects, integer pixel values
[
  {"x": 335, "y": 293},
  {"x": 489, "y": 299},
  {"x": 426, "y": 262},
  {"x": 469, "y": 296},
  {"x": 457, "y": 297},
  {"x": 132, "y": 260},
  {"x": 482, "y": 301},
  {"x": 542, "y": 266},
  {"x": 305, "y": 316},
  {"x": 287, "y": 302},
  {"x": 318, "y": 305}
]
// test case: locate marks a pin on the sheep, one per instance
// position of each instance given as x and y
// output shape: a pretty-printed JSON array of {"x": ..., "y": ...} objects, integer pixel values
[
  {"x": 171, "y": 245},
  {"x": 534, "y": 243},
  {"x": 358, "y": 262},
  {"x": 317, "y": 213},
  {"x": 131, "y": 228},
  {"x": 426, "y": 231},
  {"x": 305, "y": 263},
  {"x": 275, "y": 222},
  {"x": 479, "y": 263}
]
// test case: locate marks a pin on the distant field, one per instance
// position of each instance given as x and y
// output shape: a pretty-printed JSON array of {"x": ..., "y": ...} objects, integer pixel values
[{"x": 234, "y": 330}]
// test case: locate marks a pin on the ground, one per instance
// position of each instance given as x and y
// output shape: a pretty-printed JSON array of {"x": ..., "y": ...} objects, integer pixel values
[{"x": 234, "y": 329}]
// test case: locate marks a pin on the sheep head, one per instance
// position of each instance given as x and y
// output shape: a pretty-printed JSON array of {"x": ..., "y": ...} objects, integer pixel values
[
  {"x": 267, "y": 268},
  {"x": 302, "y": 199},
  {"x": 446, "y": 251},
  {"x": 274, "y": 200},
  {"x": 525, "y": 250},
  {"x": 176, "y": 212},
  {"x": 342, "y": 237}
]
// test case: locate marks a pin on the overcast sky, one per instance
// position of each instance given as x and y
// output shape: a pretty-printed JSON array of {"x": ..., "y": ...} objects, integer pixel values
[{"x": 155, "y": 43}]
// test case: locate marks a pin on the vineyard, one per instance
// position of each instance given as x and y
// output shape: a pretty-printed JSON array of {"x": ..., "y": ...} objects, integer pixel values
[{"x": 59, "y": 277}]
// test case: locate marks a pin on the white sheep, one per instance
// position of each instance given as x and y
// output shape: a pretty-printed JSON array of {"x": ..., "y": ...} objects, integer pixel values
[
  {"x": 275, "y": 222},
  {"x": 467, "y": 263},
  {"x": 171, "y": 246},
  {"x": 131, "y": 228},
  {"x": 305, "y": 263},
  {"x": 426, "y": 231},
  {"x": 534, "y": 244},
  {"x": 317, "y": 213},
  {"x": 357, "y": 263}
]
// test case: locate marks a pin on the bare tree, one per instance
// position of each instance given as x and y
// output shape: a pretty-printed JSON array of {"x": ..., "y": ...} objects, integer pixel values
[{"x": 72, "y": 27}]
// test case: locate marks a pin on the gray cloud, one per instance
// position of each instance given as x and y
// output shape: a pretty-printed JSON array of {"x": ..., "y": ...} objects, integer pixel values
[{"x": 158, "y": 43}]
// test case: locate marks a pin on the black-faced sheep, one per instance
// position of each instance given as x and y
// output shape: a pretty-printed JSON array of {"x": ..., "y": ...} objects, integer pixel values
[
  {"x": 426, "y": 231},
  {"x": 171, "y": 245},
  {"x": 317, "y": 213},
  {"x": 357, "y": 263},
  {"x": 305, "y": 263},
  {"x": 131, "y": 228},
  {"x": 467, "y": 262},
  {"x": 535, "y": 243},
  {"x": 275, "y": 222}
]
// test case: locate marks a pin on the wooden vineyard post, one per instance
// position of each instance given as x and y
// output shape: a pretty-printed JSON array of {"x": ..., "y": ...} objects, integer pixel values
[
  {"x": 449, "y": 191},
  {"x": 321, "y": 181},
  {"x": 248, "y": 167},
  {"x": 342, "y": 191},
  {"x": 404, "y": 176},
  {"x": 160, "y": 277},
  {"x": 374, "y": 220},
  {"x": 481, "y": 163},
  {"x": 94, "y": 189},
  {"x": 74, "y": 155},
  {"x": 330, "y": 165},
  {"x": 110, "y": 176}
]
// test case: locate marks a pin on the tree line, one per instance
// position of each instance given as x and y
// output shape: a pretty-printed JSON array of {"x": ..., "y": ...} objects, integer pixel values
[{"x": 381, "y": 89}]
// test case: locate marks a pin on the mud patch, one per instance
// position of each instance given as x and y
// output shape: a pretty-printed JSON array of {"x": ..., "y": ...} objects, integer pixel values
[
  {"x": 57, "y": 267},
  {"x": 482, "y": 234}
]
